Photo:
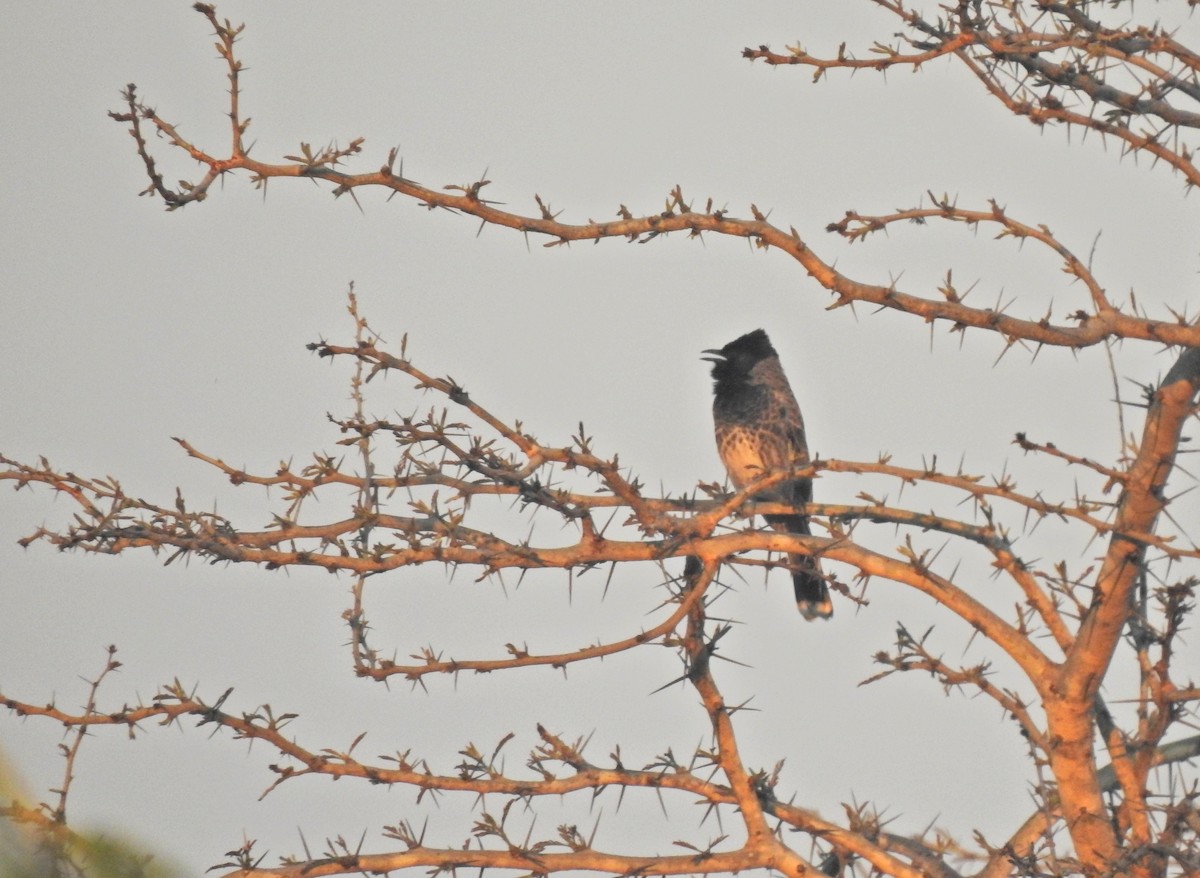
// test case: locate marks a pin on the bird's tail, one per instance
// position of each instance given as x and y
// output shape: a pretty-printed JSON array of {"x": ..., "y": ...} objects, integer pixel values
[{"x": 812, "y": 592}]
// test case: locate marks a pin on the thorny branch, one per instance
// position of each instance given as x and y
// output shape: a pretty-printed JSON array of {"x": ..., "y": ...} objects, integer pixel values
[
  {"x": 475, "y": 454},
  {"x": 1051, "y": 62},
  {"x": 1086, "y": 325},
  {"x": 1058, "y": 67}
]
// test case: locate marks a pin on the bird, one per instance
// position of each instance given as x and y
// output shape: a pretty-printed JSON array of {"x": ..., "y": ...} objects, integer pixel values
[{"x": 759, "y": 429}]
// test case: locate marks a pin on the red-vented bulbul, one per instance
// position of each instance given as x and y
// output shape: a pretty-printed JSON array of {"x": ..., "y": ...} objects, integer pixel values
[{"x": 759, "y": 429}]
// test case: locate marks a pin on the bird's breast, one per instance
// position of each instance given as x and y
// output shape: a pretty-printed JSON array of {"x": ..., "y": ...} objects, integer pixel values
[{"x": 741, "y": 452}]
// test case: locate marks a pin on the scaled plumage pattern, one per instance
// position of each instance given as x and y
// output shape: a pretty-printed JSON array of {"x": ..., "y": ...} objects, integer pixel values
[{"x": 759, "y": 429}]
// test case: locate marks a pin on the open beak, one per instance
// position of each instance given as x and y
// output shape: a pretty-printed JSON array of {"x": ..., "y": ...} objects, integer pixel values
[{"x": 715, "y": 355}]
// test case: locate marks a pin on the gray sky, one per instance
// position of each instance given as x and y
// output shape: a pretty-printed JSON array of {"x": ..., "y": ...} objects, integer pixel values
[{"x": 125, "y": 326}]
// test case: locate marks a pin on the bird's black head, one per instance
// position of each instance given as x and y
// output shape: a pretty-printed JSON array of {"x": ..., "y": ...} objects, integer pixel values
[{"x": 734, "y": 361}]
